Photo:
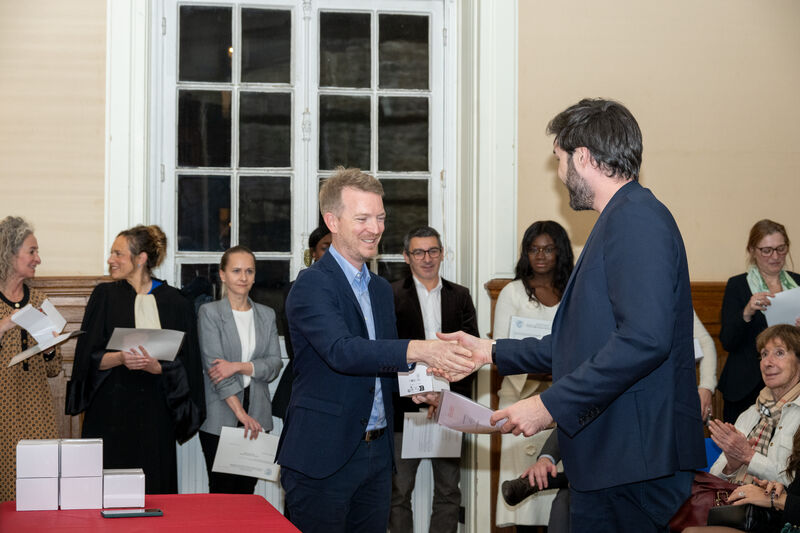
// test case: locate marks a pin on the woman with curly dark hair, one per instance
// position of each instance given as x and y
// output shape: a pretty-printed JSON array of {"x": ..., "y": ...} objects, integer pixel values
[{"x": 543, "y": 269}]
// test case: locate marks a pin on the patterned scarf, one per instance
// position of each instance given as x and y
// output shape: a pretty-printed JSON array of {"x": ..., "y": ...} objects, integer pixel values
[
  {"x": 757, "y": 284},
  {"x": 770, "y": 411}
]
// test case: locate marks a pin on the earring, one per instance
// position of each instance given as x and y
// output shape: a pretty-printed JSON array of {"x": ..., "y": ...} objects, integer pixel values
[{"x": 307, "y": 257}]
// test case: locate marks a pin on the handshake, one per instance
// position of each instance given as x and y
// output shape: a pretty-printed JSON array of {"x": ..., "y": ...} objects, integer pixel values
[{"x": 453, "y": 356}]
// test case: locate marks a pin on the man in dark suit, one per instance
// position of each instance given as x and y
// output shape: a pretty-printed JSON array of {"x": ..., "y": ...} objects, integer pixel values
[
  {"x": 624, "y": 393},
  {"x": 336, "y": 447},
  {"x": 425, "y": 304}
]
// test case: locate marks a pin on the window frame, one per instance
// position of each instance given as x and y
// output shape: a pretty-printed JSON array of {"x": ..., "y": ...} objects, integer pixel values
[{"x": 304, "y": 172}]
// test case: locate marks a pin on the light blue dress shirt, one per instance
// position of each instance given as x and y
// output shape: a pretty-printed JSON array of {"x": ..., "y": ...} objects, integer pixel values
[{"x": 359, "y": 282}]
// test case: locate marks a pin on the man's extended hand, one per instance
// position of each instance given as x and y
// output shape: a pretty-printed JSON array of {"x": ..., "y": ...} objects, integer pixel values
[
  {"x": 527, "y": 417},
  {"x": 448, "y": 357}
]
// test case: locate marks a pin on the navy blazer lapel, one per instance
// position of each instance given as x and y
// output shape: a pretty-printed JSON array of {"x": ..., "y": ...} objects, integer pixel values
[
  {"x": 378, "y": 317},
  {"x": 329, "y": 264}
]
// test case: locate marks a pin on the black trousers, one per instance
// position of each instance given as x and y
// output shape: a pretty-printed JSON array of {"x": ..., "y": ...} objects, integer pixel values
[{"x": 221, "y": 483}]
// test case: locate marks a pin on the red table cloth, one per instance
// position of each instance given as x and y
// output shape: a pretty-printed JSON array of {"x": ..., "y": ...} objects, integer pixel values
[{"x": 196, "y": 513}]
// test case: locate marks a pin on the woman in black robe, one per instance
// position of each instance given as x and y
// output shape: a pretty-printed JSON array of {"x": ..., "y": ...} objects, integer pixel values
[{"x": 138, "y": 405}]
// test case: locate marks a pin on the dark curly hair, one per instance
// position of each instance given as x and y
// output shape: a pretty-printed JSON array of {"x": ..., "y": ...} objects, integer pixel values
[{"x": 565, "y": 260}]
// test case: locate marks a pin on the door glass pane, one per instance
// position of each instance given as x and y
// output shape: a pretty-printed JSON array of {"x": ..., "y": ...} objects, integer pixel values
[
  {"x": 266, "y": 45},
  {"x": 406, "y": 204},
  {"x": 393, "y": 270},
  {"x": 271, "y": 287},
  {"x": 204, "y": 128},
  {"x": 403, "y": 134},
  {"x": 344, "y": 50},
  {"x": 403, "y": 52},
  {"x": 205, "y": 46},
  {"x": 204, "y": 213},
  {"x": 265, "y": 213},
  {"x": 344, "y": 131},
  {"x": 265, "y": 129},
  {"x": 200, "y": 283}
]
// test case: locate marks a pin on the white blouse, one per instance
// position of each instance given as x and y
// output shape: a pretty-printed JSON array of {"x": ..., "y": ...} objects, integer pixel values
[{"x": 247, "y": 337}]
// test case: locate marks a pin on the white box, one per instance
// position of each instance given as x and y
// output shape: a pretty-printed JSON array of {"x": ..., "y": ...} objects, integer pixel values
[
  {"x": 37, "y": 494},
  {"x": 81, "y": 457},
  {"x": 123, "y": 487},
  {"x": 37, "y": 458},
  {"x": 81, "y": 492}
]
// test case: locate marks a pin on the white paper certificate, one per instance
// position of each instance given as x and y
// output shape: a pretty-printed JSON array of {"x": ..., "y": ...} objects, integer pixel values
[
  {"x": 40, "y": 323},
  {"x": 161, "y": 344},
  {"x": 245, "y": 456},
  {"x": 36, "y": 348},
  {"x": 418, "y": 380},
  {"x": 784, "y": 308},
  {"x": 424, "y": 438},
  {"x": 462, "y": 414},
  {"x": 523, "y": 328}
]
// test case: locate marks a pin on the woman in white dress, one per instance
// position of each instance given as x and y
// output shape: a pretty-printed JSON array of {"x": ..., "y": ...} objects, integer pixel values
[{"x": 543, "y": 269}]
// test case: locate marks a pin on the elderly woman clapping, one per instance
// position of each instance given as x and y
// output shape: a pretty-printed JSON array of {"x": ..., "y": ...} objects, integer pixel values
[{"x": 760, "y": 443}]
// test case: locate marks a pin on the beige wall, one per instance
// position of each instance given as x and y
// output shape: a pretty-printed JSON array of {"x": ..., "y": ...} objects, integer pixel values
[
  {"x": 714, "y": 87},
  {"x": 52, "y": 87}
]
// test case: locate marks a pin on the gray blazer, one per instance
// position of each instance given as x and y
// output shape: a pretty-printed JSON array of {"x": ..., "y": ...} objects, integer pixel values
[{"x": 219, "y": 339}]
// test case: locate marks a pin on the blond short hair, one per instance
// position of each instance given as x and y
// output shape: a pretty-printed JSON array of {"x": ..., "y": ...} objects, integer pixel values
[{"x": 330, "y": 195}]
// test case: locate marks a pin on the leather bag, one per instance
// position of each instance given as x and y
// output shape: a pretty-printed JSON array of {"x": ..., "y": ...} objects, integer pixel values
[
  {"x": 746, "y": 517},
  {"x": 707, "y": 491}
]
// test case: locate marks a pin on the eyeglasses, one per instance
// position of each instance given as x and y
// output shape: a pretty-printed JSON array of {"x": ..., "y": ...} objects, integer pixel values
[
  {"x": 766, "y": 251},
  {"x": 548, "y": 251},
  {"x": 418, "y": 254}
]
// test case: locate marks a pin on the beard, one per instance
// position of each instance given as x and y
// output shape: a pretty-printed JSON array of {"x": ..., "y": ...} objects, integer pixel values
[{"x": 581, "y": 197}]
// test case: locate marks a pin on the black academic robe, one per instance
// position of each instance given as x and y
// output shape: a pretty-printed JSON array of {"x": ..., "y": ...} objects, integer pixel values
[{"x": 138, "y": 415}]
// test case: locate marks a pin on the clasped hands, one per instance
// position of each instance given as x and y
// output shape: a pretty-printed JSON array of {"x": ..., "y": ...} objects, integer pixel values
[
  {"x": 139, "y": 359},
  {"x": 761, "y": 493},
  {"x": 460, "y": 355}
]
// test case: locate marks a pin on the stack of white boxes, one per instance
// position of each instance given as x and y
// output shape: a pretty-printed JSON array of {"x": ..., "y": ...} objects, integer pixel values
[
  {"x": 123, "y": 487},
  {"x": 81, "y": 474},
  {"x": 69, "y": 473},
  {"x": 37, "y": 475}
]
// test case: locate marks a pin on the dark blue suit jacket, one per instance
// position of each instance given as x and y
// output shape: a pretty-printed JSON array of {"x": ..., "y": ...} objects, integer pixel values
[
  {"x": 335, "y": 366},
  {"x": 621, "y": 352}
]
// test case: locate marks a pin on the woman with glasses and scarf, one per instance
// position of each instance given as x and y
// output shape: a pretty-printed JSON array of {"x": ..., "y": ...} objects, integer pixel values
[
  {"x": 762, "y": 452},
  {"x": 746, "y": 298}
]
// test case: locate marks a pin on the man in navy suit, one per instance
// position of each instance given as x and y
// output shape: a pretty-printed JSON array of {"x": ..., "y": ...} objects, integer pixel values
[
  {"x": 336, "y": 448},
  {"x": 624, "y": 392}
]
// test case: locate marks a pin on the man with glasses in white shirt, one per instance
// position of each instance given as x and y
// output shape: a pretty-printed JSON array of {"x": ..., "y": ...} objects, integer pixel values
[{"x": 425, "y": 304}]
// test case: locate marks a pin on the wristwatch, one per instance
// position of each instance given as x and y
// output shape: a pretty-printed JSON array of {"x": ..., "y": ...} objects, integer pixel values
[{"x": 494, "y": 352}]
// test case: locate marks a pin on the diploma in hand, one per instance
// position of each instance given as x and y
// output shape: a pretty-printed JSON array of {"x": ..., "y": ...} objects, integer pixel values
[
  {"x": 246, "y": 457},
  {"x": 41, "y": 324},
  {"x": 161, "y": 344},
  {"x": 462, "y": 414}
]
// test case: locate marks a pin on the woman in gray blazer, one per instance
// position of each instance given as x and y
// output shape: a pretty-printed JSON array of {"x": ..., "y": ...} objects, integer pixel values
[{"x": 241, "y": 355}]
